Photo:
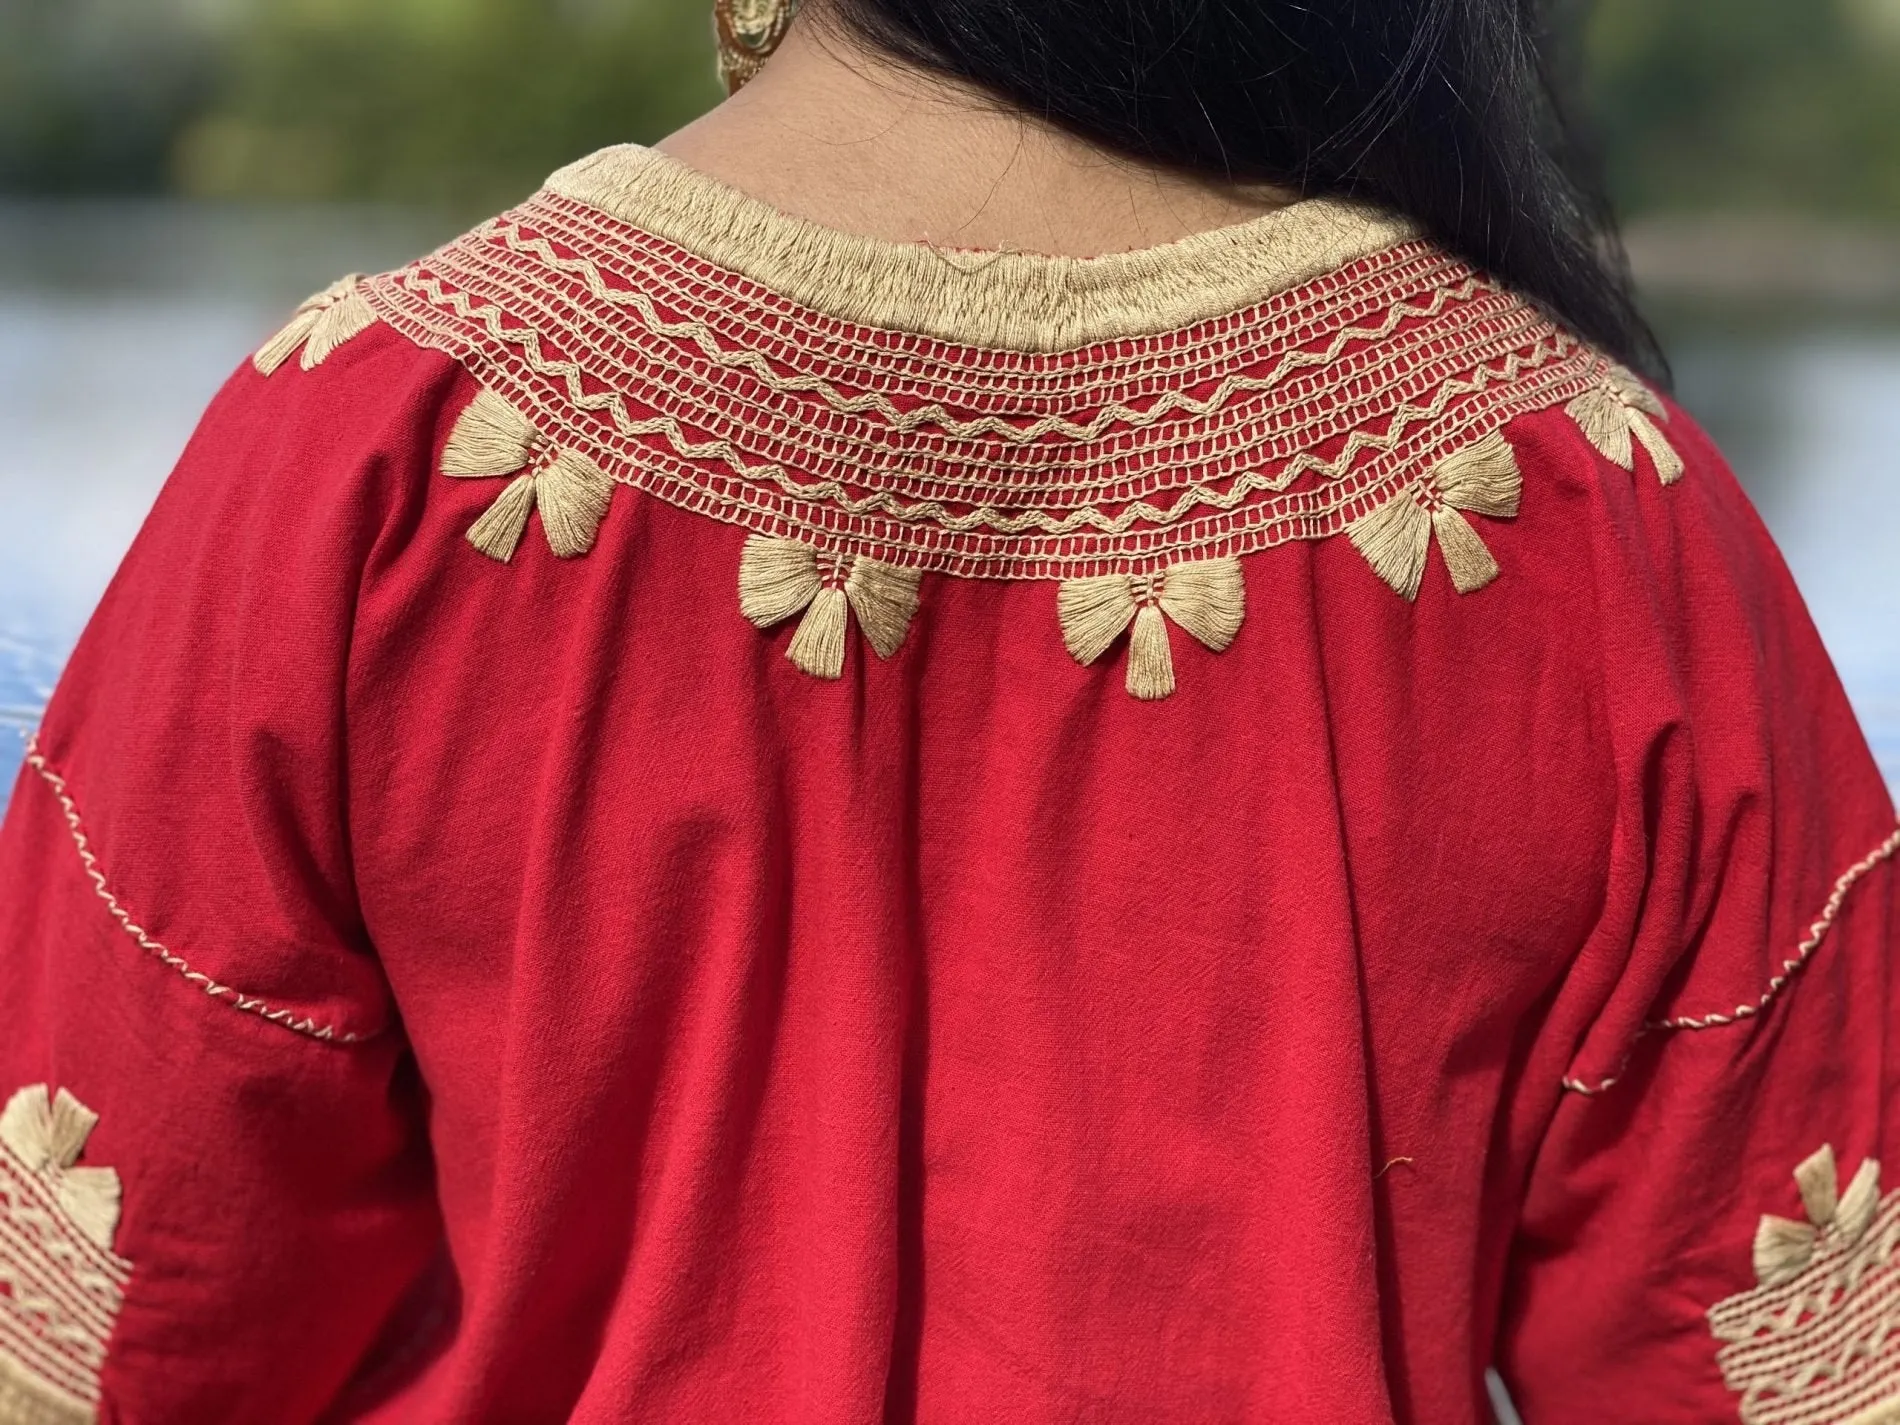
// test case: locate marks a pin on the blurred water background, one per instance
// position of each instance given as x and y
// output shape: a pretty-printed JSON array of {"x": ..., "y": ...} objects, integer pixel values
[{"x": 175, "y": 173}]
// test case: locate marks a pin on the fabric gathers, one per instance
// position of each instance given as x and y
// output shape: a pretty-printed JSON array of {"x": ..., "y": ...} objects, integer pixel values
[{"x": 680, "y": 816}]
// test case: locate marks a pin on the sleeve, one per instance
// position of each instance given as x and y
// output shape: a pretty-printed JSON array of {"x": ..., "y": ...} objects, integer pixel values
[
  {"x": 1705, "y": 1234},
  {"x": 215, "y": 1187}
]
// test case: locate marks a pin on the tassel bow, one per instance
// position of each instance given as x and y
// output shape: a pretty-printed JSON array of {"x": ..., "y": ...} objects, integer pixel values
[
  {"x": 1785, "y": 1249},
  {"x": 46, "y": 1134},
  {"x": 1208, "y": 598}
]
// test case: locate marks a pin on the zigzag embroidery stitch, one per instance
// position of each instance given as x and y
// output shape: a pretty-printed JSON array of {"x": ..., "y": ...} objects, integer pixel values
[
  {"x": 1262, "y": 431},
  {"x": 1820, "y": 1344},
  {"x": 614, "y": 404},
  {"x": 1175, "y": 402}
]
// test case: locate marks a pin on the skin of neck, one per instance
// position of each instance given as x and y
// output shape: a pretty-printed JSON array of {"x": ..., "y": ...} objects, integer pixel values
[{"x": 843, "y": 136}]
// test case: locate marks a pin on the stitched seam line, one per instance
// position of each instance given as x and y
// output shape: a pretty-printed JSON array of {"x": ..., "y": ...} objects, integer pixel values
[
  {"x": 1803, "y": 953},
  {"x": 307, "y": 1027}
]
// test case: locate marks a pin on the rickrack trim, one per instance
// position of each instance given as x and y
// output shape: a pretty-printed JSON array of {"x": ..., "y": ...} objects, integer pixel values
[
  {"x": 63, "y": 1284},
  {"x": 226, "y": 994},
  {"x": 1816, "y": 1342},
  {"x": 1015, "y": 300},
  {"x": 1818, "y": 933}
]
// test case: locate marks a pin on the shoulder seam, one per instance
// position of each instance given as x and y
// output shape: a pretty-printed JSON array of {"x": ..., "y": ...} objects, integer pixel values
[
  {"x": 236, "y": 999},
  {"x": 1817, "y": 933}
]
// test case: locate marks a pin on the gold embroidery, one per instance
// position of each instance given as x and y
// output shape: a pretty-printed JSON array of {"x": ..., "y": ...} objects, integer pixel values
[
  {"x": 322, "y": 324},
  {"x": 1315, "y": 449},
  {"x": 780, "y": 578},
  {"x": 493, "y": 439},
  {"x": 1816, "y": 1342},
  {"x": 1315, "y": 373},
  {"x": 1396, "y": 538},
  {"x": 63, "y": 1284},
  {"x": 938, "y": 415},
  {"x": 1208, "y": 599},
  {"x": 1622, "y": 408},
  {"x": 1017, "y": 301}
]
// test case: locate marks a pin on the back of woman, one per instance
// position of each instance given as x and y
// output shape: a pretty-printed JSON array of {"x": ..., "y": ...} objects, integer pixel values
[{"x": 1040, "y": 727}]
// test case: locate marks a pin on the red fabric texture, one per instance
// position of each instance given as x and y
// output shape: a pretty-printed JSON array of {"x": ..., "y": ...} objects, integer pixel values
[{"x": 963, "y": 1041}]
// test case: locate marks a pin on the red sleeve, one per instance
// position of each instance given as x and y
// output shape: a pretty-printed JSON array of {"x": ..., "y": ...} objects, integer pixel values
[
  {"x": 1740, "y": 1013},
  {"x": 215, "y": 1192}
]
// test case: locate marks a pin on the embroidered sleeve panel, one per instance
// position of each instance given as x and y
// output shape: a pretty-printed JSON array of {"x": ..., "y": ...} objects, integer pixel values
[
  {"x": 1815, "y": 1341},
  {"x": 63, "y": 1285}
]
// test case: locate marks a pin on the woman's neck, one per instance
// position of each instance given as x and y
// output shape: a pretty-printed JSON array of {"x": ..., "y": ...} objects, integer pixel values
[{"x": 841, "y": 136}]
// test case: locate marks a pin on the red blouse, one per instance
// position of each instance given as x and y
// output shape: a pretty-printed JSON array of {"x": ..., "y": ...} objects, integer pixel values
[{"x": 458, "y": 967}]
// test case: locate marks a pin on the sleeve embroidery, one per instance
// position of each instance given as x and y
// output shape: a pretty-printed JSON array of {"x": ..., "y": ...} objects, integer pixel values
[
  {"x": 1817, "y": 933},
  {"x": 61, "y": 1286},
  {"x": 56, "y": 784},
  {"x": 1815, "y": 1342}
]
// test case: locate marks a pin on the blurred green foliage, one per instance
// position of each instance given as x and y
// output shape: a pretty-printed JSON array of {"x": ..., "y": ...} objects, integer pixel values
[
  {"x": 467, "y": 102},
  {"x": 1698, "y": 104},
  {"x": 1755, "y": 104},
  {"x": 464, "y": 103}
]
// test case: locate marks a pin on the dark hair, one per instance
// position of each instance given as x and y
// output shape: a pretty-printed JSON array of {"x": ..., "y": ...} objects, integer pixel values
[{"x": 1443, "y": 110}]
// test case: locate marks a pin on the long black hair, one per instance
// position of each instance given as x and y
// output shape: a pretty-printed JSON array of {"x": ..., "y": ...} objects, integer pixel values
[{"x": 1443, "y": 110}]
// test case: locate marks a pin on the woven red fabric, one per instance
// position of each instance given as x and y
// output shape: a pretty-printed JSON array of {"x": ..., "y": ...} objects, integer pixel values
[{"x": 960, "y": 1041}]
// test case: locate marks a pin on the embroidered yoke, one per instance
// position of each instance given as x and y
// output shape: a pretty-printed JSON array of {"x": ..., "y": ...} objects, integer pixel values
[{"x": 682, "y": 817}]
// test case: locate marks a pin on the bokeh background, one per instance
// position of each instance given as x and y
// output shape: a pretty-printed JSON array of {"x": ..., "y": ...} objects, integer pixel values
[{"x": 175, "y": 173}]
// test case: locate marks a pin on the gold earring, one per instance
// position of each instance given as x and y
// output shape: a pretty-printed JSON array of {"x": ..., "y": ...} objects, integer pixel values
[{"x": 749, "y": 30}]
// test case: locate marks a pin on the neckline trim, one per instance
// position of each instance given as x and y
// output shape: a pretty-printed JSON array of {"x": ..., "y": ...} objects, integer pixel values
[{"x": 1012, "y": 301}]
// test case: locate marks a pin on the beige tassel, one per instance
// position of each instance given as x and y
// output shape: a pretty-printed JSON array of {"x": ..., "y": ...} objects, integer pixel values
[
  {"x": 779, "y": 578},
  {"x": 498, "y": 532},
  {"x": 1150, "y": 660},
  {"x": 1094, "y": 612},
  {"x": 1396, "y": 538},
  {"x": 321, "y": 325},
  {"x": 1484, "y": 478},
  {"x": 491, "y": 438},
  {"x": 885, "y": 599},
  {"x": 1669, "y": 463},
  {"x": 1466, "y": 555},
  {"x": 572, "y": 494},
  {"x": 347, "y": 319},
  {"x": 1207, "y": 598},
  {"x": 1605, "y": 421},
  {"x": 1623, "y": 412},
  {"x": 1785, "y": 1249},
  {"x": 91, "y": 1197},
  {"x": 1859, "y": 1203},
  {"x": 1819, "y": 1184},
  {"x": 47, "y": 1134},
  {"x": 818, "y": 646}
]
